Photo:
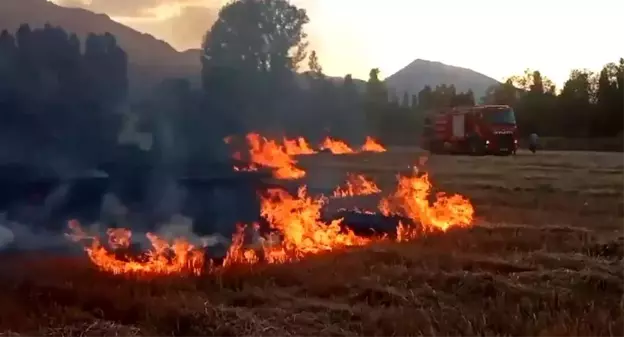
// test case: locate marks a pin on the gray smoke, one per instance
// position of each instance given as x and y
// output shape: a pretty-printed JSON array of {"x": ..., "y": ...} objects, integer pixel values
[
  {"x": 23, "y": 238},
  {"x": 6, "y": 236}
]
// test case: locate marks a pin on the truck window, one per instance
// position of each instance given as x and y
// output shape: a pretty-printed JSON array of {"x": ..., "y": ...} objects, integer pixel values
[{"x": 500, "y": 116}]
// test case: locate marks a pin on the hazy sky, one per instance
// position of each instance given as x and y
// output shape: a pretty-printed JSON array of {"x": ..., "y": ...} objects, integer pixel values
[{"x": 497, "y": 38}]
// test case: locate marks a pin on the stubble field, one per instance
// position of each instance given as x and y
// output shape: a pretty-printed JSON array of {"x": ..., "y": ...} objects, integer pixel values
[{"x": 545, "y": 257}]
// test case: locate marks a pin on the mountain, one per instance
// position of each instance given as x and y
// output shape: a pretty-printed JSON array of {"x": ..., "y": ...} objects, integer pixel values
[
  {"x": 413, "y": 77},
  {"x": 150, "y": 60}
]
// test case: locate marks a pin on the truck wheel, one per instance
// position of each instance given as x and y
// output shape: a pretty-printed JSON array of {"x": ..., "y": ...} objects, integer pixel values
[
  {"x": 435, "y": 148},
  {"x": 476, "y": 147}
]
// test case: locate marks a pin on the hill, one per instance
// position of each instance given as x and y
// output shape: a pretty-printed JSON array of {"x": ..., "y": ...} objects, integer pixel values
[
  {"x": 413, "y": 77},
  {"x": 150, "y": 59}
]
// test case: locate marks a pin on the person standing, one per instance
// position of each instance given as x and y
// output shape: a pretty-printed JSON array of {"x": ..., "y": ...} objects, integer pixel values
[{"x": 533, "y": 138}]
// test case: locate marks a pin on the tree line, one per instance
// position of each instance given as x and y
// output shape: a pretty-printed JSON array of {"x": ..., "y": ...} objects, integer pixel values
[
  {"x": 589, "y": 104},
  {"x": 258, "y": 74},
  {"x": 56, "y": 98}
]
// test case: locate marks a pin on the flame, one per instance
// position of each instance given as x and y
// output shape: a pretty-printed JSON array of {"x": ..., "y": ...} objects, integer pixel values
[
  {"x": 163, "y": 258},
  {"x": 297, "y": 146},
  {"x": 268, "y": 153},
  {"x": 336, "y": 146},
  {"x": 411, "y": 199},
  {"x": 371, "y": 145},
  {"x": 237, "y": 253},
  {"x": 296, "y": 219},
  {"x": 357, "y": 184}
]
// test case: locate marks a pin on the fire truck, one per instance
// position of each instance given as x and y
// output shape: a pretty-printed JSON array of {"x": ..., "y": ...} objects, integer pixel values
[{"x": 477, "y": 130}]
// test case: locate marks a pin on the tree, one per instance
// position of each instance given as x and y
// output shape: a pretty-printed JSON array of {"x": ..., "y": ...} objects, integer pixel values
[
  {"x": 575, "y": 105},
  {"x": 504, "y": 93},
  {"x": 414, "y": 103},
  {"x": 425, "y": 98},
  {"x": 65, "y": 102},
  {"x": 315, "y": 69},
  {"x": 405, "y": 102},
  {"x": 376, "y": 100},
  {"x": 252, "y": 51}
]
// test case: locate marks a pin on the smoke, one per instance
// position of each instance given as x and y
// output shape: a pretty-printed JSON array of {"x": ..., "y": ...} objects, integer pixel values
[
  {"x": 129, "y": 133},
  {"x": 16, "y": 236},
  {"x": 112, "y": 210},
  {"x": 182, "y": 227},
  {"x": 6, "y": 236}
]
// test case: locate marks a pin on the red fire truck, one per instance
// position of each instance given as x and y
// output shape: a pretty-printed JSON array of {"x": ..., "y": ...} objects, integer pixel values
[{"x": 478, "y": 130}]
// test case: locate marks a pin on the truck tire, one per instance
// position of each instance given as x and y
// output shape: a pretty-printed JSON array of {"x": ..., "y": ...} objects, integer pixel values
[
  {"x": 435, "y": 148},
  {"x": 476, "y": 146}
]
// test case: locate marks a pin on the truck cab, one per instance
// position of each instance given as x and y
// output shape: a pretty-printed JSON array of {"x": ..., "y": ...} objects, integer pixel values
[
  {"x": 481, "y": 129},
  {"x": 496, "y": 127}
]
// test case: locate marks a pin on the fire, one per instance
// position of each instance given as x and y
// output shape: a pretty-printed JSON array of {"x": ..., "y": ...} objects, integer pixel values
[
  {"x": 297, "y": 219},
  {"x": 357, "y": 184},
  {"x": 371, "y": 145},
  {"x": 178, "y": 257},
  {"x": 268, "y": 153},
  {"x": 336, "y": 146},
  {"x": 237, "y": 253},
  {"x": 411, "y": 199},
  {"x": 297, "y": 146}
]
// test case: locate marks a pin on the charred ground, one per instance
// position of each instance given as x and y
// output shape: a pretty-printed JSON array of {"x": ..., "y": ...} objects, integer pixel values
[{"x": 544, "y": 259}]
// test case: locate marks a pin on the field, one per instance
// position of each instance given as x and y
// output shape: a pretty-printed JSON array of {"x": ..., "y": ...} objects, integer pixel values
[{"x": 545, "y": 257}]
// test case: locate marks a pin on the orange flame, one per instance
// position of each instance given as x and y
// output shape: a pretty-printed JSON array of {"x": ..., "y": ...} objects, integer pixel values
[
  {"x": 411, "y": 199},
  {"x": 297, "y": 218},
  {"x": 371, "y": 145},
  {"x": 301, "y": 232},
  {"x": 297, "y": 146},
  {"x": 164, "y": 258},
  {"x": 357, "y": 184},
  {"x": 237, "y": 253},
  {"x": 268, "y": 153},
  {"x": 336, "y": 146}
]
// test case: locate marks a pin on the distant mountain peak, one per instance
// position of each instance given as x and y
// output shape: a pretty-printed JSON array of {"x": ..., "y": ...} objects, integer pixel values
[{"x": 420, "y": 73}]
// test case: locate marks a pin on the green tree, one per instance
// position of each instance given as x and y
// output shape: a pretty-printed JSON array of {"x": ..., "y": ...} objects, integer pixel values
[
  {"x": 376, "y": 101},
  {"x": 405, "y": 102},
  {"x": 414, "y": 103},
  {"x": 425, "y": 98},
  {"x": 315, "y": 69},
  {"x": 504, "y": 93},
  {"x": 536, "y": 106},
  {"x": 253, "y": 51},
  {"x": 575, "y": 104}
]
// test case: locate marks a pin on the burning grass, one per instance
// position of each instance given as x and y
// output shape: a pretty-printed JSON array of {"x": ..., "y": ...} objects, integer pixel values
[
  {"x": 537, "y": 262},
  {"x": 298, "y": 221},
  {"x": 439, "y": 284}
]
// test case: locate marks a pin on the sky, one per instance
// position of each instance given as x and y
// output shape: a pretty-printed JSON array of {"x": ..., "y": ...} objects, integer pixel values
[{"x": 496, "y": 38}]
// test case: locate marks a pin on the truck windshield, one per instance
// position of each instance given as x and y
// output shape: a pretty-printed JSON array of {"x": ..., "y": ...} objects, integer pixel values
[{"x": 500, "y": 116}]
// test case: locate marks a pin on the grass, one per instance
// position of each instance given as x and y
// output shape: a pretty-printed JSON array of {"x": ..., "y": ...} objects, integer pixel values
[{"x": 545, "y": 258}]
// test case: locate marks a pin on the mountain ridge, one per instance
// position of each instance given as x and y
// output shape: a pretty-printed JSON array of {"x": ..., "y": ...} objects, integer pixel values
[
  {"x": 417, "y": 74},
  {"x": 150, "y": 59}
]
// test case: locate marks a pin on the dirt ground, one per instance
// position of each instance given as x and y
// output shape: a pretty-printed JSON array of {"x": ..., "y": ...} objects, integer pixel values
[{"x": 544, "y": 258}]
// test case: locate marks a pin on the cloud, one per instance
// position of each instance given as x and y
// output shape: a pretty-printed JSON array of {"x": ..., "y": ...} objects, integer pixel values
[
  {"x": 184, "y": 30},
  {"x": 134, "y": 8},
  {"x": 182, "y": 23}
]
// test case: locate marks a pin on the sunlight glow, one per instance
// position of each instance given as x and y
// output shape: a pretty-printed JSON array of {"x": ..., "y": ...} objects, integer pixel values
[{"x": 496, "y": 38}]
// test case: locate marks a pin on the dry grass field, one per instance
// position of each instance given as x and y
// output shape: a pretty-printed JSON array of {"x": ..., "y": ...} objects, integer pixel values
[{"x": 545, "y": 257}]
